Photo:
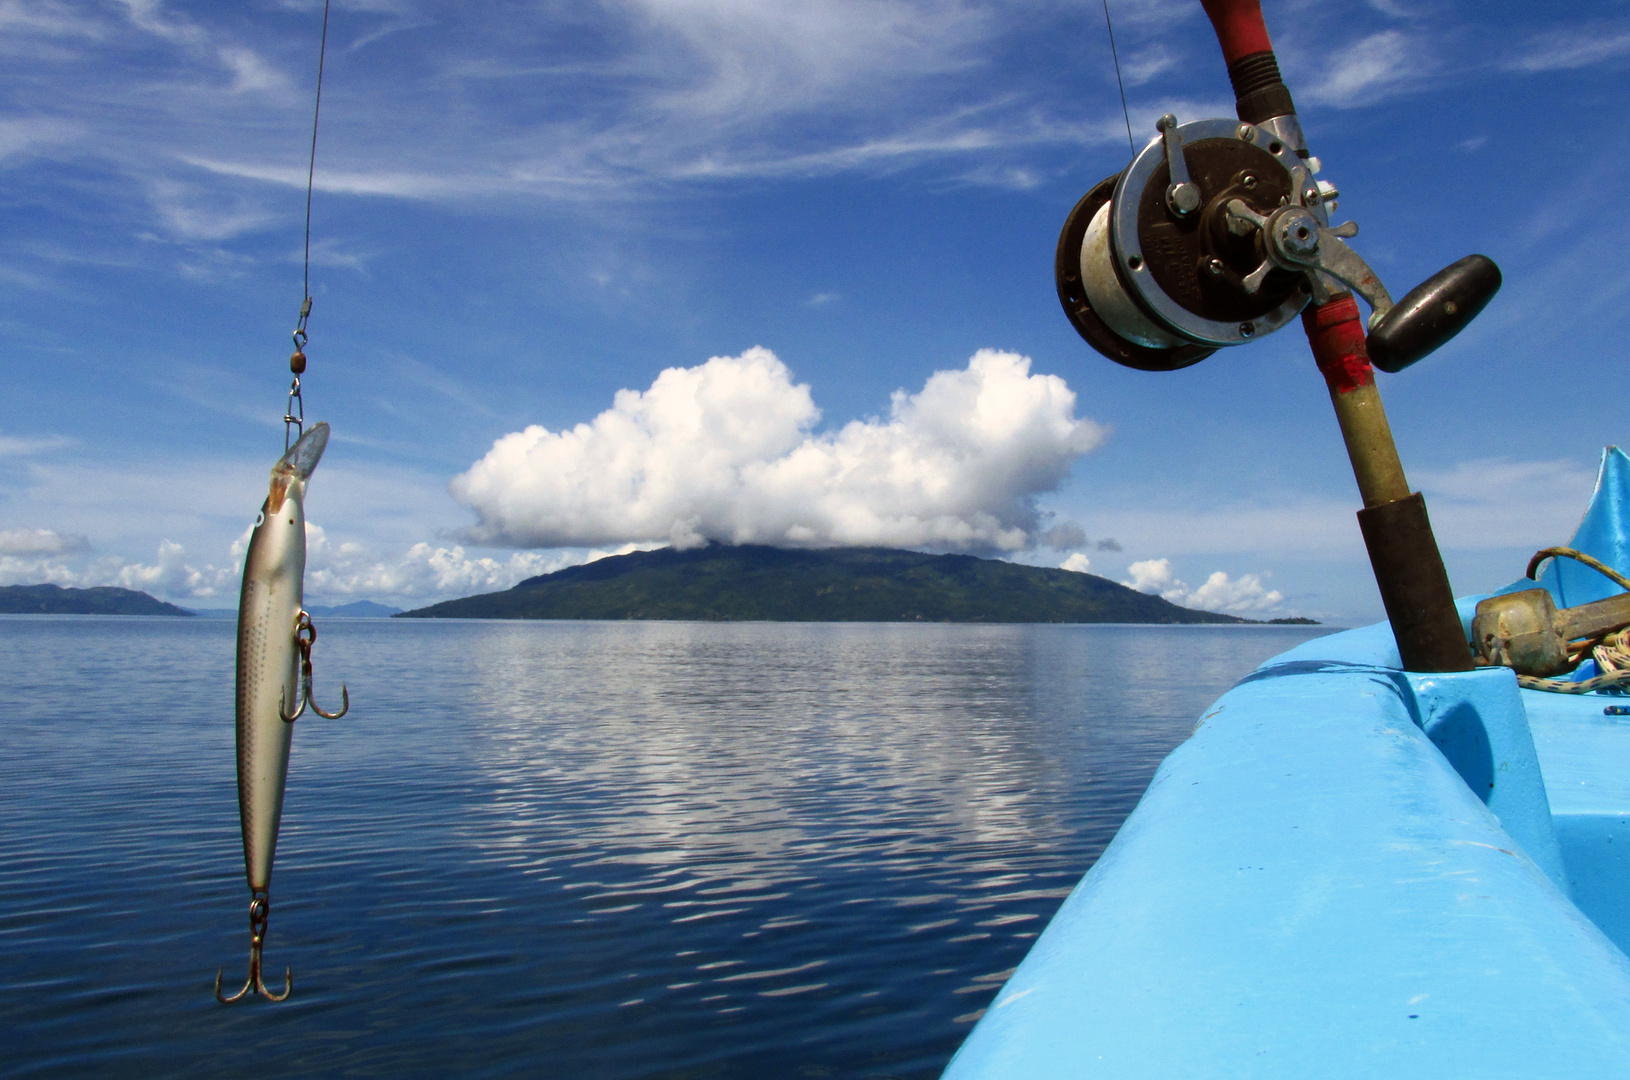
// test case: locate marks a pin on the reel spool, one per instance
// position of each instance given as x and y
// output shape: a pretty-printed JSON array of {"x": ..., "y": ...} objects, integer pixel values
[{"x": 1216, "y": 235}]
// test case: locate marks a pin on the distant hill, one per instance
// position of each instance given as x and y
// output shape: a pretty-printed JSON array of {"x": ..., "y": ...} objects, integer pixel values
[
  {"x": 751, "y": 582},
  {"x": 103, "y": 600},
  {"x": 357, "y": 609}
]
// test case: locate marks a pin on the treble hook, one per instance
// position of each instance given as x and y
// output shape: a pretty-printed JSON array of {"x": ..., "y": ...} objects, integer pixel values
[
  {"x": 259, "y": 908},
  {"x": 305, "y": 635}
]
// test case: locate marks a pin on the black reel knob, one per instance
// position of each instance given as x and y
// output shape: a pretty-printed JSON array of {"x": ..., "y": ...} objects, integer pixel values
[{"x": 1433, "y": 312}]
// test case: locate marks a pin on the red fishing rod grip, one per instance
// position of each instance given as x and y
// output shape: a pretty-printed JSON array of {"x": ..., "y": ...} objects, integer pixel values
[
  {"x": 1336, "y": 333},
  {"x": 1239, "y": 26}
]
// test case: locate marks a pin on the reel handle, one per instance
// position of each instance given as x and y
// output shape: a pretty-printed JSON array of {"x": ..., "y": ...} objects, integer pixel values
[{"x": 1433, "y": 312}]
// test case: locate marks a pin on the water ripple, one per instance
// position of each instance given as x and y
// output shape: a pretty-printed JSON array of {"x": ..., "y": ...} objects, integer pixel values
[{"x": 577, "y": 849}]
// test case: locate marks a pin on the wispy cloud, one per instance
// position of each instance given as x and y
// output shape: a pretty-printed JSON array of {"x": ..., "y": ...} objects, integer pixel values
[
  {"x": 1370, "y": 69},
  {"x": 1473, "y": 502},
  {"x": 1573, "y": 47},
  {"x": 195, "y": 110},
  {"x": 28, "y": 445},
  {"x": 1152, "y": 60}
]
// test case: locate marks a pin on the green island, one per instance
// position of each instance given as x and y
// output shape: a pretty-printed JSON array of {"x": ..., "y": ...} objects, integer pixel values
[
  {"x": 750, "y": 582},
  {"x": 102, "y": 600}
]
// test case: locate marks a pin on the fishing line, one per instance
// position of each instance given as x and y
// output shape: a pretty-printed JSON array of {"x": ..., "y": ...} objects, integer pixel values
[
  {"x": 311, "y": 167},
  {"x": 294, "y": 415},
  {"x": 1113, "y": 54}
]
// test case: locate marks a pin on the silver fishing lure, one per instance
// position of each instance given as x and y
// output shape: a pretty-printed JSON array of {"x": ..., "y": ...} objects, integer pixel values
[{"x": 274, "y": 680}]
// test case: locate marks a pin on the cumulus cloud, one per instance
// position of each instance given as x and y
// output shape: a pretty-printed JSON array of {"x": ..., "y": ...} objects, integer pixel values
[
  {"x": 1219, "y": 593},
  {"x": 1077, "y": 563},
  {"x": 171, "y": 575},
  {"x": 426, "y": 571},
  {"x": 43, "y": 556},
  {"x": 726, "y": 451},
  {"x": 334, "y": 569}
]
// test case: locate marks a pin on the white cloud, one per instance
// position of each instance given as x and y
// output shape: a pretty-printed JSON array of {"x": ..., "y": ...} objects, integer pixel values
[
  {"x": 19, "y": 137},
  {"x": 426, "y": 571},
  {"x": 725, "y": 451},
  {"x": 41, "y": 542},
  {"x": 24, "y": 446},
  {"x": 1246, "y": 594},
  {"x": 1143, "y": 65},
  {"x": 172, "y": 576},
  {"x": 47, "y": 18},
  {"x": 734, "y": 58},
  {"x": 1219, "y": 593},
  {"x": 191, "y": 212},
  {"x": 334, "y": 569},
  {"x": 1155, "y": 576},
  {"x": 1575, "y": 47},
  {"x": 1473, "y": 503},
  {"x": 1077, "y": 563},
  {"x": 1370, "y": 69},
  {"x": 637, "y": 92},
  {"x": 249, "y": 71},
  {"x": 16, "y": 570}
]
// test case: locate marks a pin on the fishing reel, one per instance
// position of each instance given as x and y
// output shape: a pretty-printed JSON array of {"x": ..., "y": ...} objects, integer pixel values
[{"x": 1217, "y": 234}]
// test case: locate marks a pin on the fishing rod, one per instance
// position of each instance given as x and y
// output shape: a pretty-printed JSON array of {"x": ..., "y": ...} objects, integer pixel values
[
  {"x": 275, "y": 632},
  {"x": 1217, "y": 234}
]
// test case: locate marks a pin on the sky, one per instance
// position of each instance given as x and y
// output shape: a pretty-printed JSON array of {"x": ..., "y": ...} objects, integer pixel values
[{"x": 605, "y": 274}]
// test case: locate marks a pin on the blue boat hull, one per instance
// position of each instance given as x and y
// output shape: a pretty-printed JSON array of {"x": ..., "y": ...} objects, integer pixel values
[{"x": 1353, "y": 871}]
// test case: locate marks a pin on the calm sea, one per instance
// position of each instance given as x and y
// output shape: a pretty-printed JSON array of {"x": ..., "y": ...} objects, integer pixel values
[{"x": 596, "y": 850}]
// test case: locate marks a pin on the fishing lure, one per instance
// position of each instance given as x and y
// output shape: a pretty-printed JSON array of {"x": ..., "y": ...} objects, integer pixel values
[{"x": 275, "y": 635}]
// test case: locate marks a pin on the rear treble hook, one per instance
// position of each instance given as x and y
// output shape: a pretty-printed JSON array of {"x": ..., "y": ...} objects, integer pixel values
[
  {"x": 259, "y": 908},
  {"x": 305, "y": 635}
]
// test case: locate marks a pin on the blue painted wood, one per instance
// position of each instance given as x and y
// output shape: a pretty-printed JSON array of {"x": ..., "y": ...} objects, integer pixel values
[
  {"x": 1477, "y": 721},
  {"x": 1353, "y": 871},
  {"x": 1604, "y": 533}
]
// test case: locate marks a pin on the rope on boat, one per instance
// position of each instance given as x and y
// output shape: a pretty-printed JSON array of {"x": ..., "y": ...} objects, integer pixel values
[
  {"x": 1572, "y": 553},
  {"x": 1584, "y": 686},
  {"x": 1611, "y": 652}
]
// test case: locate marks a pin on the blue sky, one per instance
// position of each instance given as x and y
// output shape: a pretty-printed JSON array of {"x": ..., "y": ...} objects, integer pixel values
[{"x": 830, "y": 222}]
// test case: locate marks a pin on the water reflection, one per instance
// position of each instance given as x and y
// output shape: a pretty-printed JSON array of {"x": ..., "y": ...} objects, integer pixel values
[{"x": 608, "y": 850}]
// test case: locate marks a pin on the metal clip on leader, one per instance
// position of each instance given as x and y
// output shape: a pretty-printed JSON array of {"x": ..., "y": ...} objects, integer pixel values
[
  {"x": 294, "y": 416},
  {"x": 1217, "y": 234}
]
